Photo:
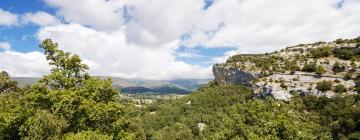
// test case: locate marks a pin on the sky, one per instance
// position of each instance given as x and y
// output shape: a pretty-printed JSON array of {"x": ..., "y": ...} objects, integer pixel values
[{"x": 164, "y": 39}]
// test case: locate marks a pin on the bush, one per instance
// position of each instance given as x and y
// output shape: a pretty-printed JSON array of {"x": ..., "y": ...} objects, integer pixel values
[
  {"x": 338, "y": 67},
  {"x": 324, "y": 85},
  {"x": 309, "y": 67},
  {"x": 340, "y": 88},
  {"x": 319, "y": 70},
  {"x": 348, "y": 76},
  {"x": 345, "y": 53},
  {"x": 321, "y": 52}
]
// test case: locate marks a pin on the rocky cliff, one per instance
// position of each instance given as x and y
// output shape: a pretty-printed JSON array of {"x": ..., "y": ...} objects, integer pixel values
[
  {"x": 225, "y": 75},
  {"x": 320, "y": 69}
]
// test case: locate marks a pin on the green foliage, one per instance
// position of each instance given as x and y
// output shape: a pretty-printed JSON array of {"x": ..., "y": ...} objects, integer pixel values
[
  {"x": 319, "y": 70},
  {"x": 43, "y": 125},
  {"x": 345, "y": 53},
  {"x": 309, "y": 67},
  {"x": 68, "y": 100},
  {"x": 230, "y": 112},
  {"x": 324, "y": 85},
  {"x": 321, "y": 52},
  {"x": 340, "y": 88},
  {"x": 177, "y": 131},
  {"x": 262, "y": 61},
  {"x": 291, "y": 66},
  {"x": 338, "y": 67},
  {"x": 87, "y": 135},
  {"x": 6, "y": 84}
]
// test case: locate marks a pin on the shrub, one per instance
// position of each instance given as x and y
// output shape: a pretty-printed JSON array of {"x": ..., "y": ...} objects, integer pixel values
[
  {"x": 324, "y": 85},
  {"x": 309, "y": 67},
  {"x": 319, "y": 70},
  {"x": 338, "y": 67},
  {"x": 321, "y": 52},
  {"x": 345, "y": 53},
  {"x": 348, "y": 76},
  {"x": 340, "y": 88}
]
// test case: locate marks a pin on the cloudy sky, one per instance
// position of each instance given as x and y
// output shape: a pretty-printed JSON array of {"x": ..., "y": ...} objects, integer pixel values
[{"x": 164, "y": 39}]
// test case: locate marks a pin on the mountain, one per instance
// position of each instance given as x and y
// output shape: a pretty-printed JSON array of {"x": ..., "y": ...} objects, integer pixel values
[
  {"x": 155, "y": 90},
  {"x": 320, "y": 69},
  {"x": 142, "y": 86}
]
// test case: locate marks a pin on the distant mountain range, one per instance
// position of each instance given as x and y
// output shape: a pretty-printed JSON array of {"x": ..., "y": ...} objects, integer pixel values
[{"x": 140, "y": 86}]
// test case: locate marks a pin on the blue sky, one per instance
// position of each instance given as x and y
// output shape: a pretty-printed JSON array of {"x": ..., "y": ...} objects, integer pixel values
[
  {"x": 22, "y": 37},
  {"x": 164, "y": 39}
]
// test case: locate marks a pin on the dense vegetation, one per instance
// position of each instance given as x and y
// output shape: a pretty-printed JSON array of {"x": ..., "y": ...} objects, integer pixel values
[
  {"x": 70, "y": 104},
  {"x": 66, "y": 104}
]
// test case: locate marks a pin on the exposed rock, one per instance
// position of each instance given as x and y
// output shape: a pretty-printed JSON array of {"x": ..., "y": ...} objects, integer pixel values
[
  {"x": 188, "y": 103},
  {"x": 279, "y": 75},
  {"x": 225, "y": 75},
  {"x": 201, "y": 126}
]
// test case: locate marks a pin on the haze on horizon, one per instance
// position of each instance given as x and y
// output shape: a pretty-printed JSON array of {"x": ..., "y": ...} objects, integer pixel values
[{"x": 164, "y": 39}]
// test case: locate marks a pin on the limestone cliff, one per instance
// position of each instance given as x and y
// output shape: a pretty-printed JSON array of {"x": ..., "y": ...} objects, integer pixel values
[
  {"x": 225, "y": 75},
  {"x": 320, "y": 69}
]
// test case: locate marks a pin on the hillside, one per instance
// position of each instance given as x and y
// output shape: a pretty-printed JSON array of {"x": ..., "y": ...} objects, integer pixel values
[
  {"x": 315, "y": 87},
  {"x": 321, "y": 69},
  {"x": 70, "y": 104}
]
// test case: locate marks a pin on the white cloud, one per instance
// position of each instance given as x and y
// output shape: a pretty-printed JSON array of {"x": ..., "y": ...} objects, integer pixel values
[
  {"x": 7, "y": 18},
  {"x": 5, "y": 45},
  {"x": 145, "y": 46},
  {"x": 40, "y": 18},
  {"x": 23, "y": 64},
  {"x": 258, "y": 25},
  {"x": 101, "y": 14},
  {"x": 110, "y": 54}
]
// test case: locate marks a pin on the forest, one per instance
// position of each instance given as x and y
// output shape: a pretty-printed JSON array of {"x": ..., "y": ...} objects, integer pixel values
[{"x": 70, "y": 104}]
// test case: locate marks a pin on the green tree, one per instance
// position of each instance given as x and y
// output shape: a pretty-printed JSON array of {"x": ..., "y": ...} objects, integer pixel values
[
  {"x": 6, "y": 84},
  {"x": 177, "y": 131},
  {"x": 86, "y": 103},
  {"x": 87, "y": 135},
  {"x": 43, "y": 125}
]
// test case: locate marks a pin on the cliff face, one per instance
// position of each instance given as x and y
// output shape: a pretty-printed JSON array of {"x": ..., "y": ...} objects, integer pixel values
[
  {"x": 320, "y": 69},
  {"x": 225, "y": 75}
]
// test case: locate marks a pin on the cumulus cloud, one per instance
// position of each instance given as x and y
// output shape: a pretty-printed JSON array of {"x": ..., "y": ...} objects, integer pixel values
[
  {"x": 5, "y": 45},
  {"x": 259, "y": 26},
  {"x": 7, "y": 18},
  {"x": 140, "y": 38},
  {"x": 19, "y": 64},
  {"x": 39, "y": 18},
  {"x": 110, "y": 54},
  {"x": 100, "y": 14}
]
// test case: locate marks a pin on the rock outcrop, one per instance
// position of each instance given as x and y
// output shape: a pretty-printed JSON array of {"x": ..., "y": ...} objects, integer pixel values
[
  {"x": 225, "y": 75},
  {"x": 295, "y": 70}
]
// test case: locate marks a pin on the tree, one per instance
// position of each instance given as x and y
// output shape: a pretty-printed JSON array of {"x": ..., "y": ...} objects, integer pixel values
[
  {"x": 86, "y": 103},
  {"x": 43, "y": 125},
  {"x": 67, "y": 70},
  {"x": 87, "y": 135},
  {"x": 6, "y": 84}
]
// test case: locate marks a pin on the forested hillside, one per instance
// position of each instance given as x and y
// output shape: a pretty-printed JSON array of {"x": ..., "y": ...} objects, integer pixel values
[{"x": 70, "y": 104}]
